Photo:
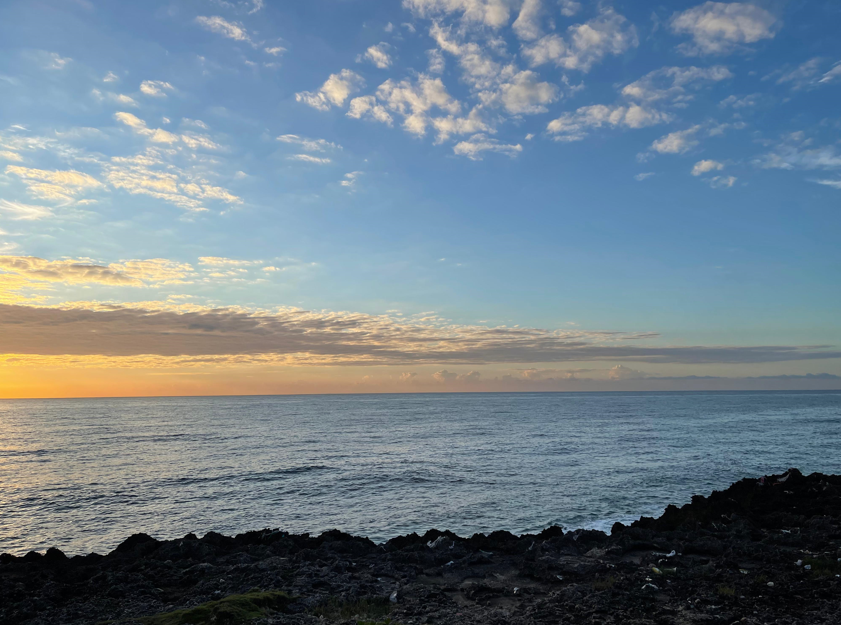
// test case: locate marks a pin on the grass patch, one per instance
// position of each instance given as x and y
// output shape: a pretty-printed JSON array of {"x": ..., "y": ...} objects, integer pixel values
[
  {"x": 726, "y": 591},
  {"x": 230, "y": 610},
  {"x": 604, "y": 584},
  {"x": 367, "y": 611}
]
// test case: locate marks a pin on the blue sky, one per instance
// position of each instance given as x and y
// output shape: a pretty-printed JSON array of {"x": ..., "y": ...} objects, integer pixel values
[{"x": 671, "y": 172}]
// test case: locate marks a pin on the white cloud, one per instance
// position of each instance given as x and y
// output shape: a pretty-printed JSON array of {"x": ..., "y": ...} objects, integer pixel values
[
  {"x": 309, "y": 158},
  {"x": 522, "y": 94},
  {"x": 24, "y": 212},
  {"x": 702, "y": 167},
  {"x": 671, "y": 83},
  {"x": 794, "y": 153},
  {"x": 835, "y": 184},
  {"x": 231, "y": 30},
  {"x": 55, "y": 185},
  {"x": 735, "y": 102},
  {"x": 721, "y": 182},
  {"x": 80, "y": 271},
  {"x": 151, "y": 173},
  {"x": 378, "y": 55},
  {"x": 477, "y": 144},
  {"x": 117, "y": 98},
  {"x": 493, "y": 13},
  {"x": 621, "y": 372},
  {"x": 155, "y": 88},
  {"x": 832, "y": 74},
  {"x": 367, "y": 106},
  {"x": 677, "y": 142},
  {"x": 569, "y": 7},
  {"x": 53, "y": 60},
  {"x": 350, "y": 179},
  {"x": 309, "y": 145},
  {"x": 7, "y": 155},
  {"x": 436, "y": 61},
  {"x": 335, "y": 90},
  {"x": 721, "y": 28},
  {"x": 221, "y": 261},
  {"x": 111, "y": 77},
  {"x": 274, "y": 51},
  {"x": 453, "y": 125},
  {"x": 642, "y": 176},
  {"x": 575, "y": 126},
  {"x": 414, "y": 101},
  {"x": 527, "y": 24},
  {"x": 480, "y": 71},
  {"x": 196, "y": 141},
  {"x": 586, "y": 44}
]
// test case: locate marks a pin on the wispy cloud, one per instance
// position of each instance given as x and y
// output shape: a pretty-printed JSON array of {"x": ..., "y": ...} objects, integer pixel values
[{"x": 220, "y": 26}]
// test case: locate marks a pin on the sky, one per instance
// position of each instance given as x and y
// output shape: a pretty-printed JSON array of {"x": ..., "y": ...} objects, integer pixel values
[{"x": 256, "y": 196}]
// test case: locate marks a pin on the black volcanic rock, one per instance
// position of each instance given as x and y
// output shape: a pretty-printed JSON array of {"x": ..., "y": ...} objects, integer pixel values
[{"x": 762, "y": 551}]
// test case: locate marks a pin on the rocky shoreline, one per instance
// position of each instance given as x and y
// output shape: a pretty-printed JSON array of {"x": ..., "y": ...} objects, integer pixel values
[{"x": 762, "y": 551}]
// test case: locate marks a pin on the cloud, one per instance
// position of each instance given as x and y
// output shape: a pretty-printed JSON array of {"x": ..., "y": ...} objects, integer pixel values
[
  {"x": 585, "y": 44},
  {"x": 493, "y": 13},
  {"x": 274, "y": 51},
  {"x": 702, "y": 167},
  {"x": 221, "y": 261},
  {"x": 231, "y": 30},
  {"x": 155, "y": 88},
  {"x": 721, "y": 182},
  {"x": 722, "y": 28},
  {"x": 670, "y": 84},
  {"x": 835, "y": 184},
  {"x": 621, "y": 372},
  {"x": 808, "y": 74},
  {"x": 116, "y": 98},
  {"x": 794, "y": 153},
  {"x": 309, "y": 145},
  {"x": 24, "y": 212},
  {"x": 569, "y": 7},
  {"x": 735, "y": 102},
  {"x": 10, "y": 156},
  {"x": 55, "y": 185},
  {"x": 378, "y": 55},
  {"x": 128, "y": 273},
  {"x": 436, "y": 61},
  {"x": 575, "y": 126},
  {"x": 152, "y": 173},
  {"x": 350, "y": 179},
  {"x": 111, "y": 77},
  {"x": 445, "y": 376},
  {"x": 522, "y": 94},
  {"x": 474, "y": 147},
  {"x": 321, "y": 337},
  {"x": 192, "y": 140},
  {"x": 309, "y": 158},
  {"x": 367, "y": 107},
  {"x": 53, "y": 60},
  {"x": 335, "y": 90},
  {"x": 413, "y": 101},
  {"x": 677, "y": 142},
  {"x": 643, "y": 176},
  {"x": 527, "y": 24}
]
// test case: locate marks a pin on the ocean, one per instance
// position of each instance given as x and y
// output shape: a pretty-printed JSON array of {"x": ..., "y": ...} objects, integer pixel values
[{"x": 84, "y": 474}]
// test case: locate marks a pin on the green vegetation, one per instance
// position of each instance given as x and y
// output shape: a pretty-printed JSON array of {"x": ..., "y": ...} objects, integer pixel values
[
  {"x": 375, "y": 610},
  {"x": 604, "y": 584},
  {"x": 726, "y": 591},
  {"x": 230, "y": 610}
]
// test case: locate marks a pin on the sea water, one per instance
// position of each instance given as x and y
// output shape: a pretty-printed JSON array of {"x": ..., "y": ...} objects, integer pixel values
[{"x": 84, "y": 474}]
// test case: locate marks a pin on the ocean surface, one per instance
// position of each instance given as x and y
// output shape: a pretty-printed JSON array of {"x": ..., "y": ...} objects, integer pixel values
[{"x": 83, "y": 475}]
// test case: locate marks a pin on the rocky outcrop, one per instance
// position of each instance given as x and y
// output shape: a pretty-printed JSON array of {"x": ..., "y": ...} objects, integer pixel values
[{"x": 762, "y": 551}]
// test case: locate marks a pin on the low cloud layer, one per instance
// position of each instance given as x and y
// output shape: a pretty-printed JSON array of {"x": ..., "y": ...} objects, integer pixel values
[{"x": 312, "y": 337}]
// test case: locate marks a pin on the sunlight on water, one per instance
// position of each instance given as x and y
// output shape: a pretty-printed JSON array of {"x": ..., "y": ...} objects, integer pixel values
[{"x": 83, "y": 475}]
